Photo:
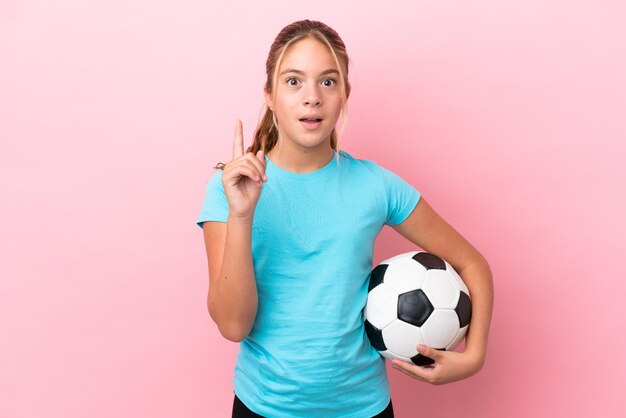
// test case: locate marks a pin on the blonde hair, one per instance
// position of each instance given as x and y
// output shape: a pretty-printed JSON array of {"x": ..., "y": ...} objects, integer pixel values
[{"x": 266, "y": 132}]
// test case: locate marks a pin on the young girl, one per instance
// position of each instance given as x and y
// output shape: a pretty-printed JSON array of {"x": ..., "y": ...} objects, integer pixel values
[{"x": 289, "y": 228}]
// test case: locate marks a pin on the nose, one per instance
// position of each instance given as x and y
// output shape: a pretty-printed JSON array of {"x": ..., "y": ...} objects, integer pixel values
[{"x": 312, "y": 96}]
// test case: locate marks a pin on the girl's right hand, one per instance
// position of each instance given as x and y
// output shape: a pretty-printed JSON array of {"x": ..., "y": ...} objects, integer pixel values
[{"x": 243, "y": 178}]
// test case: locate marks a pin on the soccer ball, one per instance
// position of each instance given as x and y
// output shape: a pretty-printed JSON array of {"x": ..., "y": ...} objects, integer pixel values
[{"x": 416, "y": 298}]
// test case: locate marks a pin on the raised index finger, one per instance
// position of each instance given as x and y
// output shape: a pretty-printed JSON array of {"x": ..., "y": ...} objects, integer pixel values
[{"x": 238, "y": 144}]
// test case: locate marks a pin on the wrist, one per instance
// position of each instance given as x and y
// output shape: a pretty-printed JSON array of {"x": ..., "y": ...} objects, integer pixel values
[{"x": 243, "y": 219}]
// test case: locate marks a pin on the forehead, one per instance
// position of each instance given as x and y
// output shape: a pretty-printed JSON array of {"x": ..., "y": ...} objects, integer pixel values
[{"x": 308, "y": 55}]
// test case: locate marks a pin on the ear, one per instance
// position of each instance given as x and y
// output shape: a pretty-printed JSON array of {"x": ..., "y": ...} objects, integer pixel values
[{"x": 268, "y": 98}]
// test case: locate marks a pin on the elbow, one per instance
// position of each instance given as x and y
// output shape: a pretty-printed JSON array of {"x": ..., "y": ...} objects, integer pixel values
[
  {"x": 233, "y": 325},
  {"x": 230, "y": 331},
  {"x": 234, "y": 337},
  {"x": 234, "y": 334}
]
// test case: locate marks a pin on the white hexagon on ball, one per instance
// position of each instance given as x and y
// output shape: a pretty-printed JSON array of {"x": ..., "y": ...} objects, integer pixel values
[
  {"x": 440, "y": 328},
  {"x": 381, "y": 309},
  {"x": 441, "y": 289},
  {"x": 402, "y": 338},
  {"x": 398, "y": 273}
]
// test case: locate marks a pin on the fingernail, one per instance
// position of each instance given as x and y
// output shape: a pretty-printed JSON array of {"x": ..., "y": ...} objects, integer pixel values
[{"x": 264, "y": 177}]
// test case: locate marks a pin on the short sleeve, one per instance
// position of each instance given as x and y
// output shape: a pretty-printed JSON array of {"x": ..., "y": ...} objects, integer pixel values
[
  {"x": 215, "y": 204},
  {"x": 402, "y": 197}
]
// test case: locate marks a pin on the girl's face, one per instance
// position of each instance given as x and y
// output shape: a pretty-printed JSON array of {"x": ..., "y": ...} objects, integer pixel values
[{"x": 307, "y": 87}]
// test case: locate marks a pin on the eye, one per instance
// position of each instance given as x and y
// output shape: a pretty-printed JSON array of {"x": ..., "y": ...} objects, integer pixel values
[
  {"x": 330, "y": 79},
  {"x": 290, "y": 79}
]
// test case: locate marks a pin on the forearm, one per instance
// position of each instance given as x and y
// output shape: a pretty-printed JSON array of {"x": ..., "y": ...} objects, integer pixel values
[
  {"x": 479, "y": 281},
  {"x": 233, "y": 295}
]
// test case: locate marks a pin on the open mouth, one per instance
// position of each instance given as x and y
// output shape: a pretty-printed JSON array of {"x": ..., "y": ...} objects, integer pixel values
[{"x": 311, "y": 123}]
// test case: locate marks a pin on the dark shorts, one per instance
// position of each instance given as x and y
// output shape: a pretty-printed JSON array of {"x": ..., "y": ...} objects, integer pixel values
[{"x": 241, "y": 411}]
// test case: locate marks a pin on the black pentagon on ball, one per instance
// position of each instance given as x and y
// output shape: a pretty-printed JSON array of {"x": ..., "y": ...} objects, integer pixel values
[
  {"x": 414, "y": 307},
  {"x": 464, "y": 309},
  {"x": 376, "y": 276},
  {"x": 430, "y": 261},
  {"x": 422, "y": 360},
  {"x": 375, "y": 335}
]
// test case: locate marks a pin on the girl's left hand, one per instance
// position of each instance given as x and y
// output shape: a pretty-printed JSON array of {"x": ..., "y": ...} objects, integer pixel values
[{"x": 449, "y": 366}]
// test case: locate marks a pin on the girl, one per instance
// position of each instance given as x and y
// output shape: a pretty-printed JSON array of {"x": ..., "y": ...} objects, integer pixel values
[{"x": 289, "y": 229}]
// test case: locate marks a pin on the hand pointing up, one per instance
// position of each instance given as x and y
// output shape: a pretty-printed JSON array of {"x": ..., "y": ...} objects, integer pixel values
[{"x": 243, "y": 178}]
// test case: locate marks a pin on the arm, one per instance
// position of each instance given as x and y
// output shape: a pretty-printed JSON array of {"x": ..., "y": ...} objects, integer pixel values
[
  {"x": 479, "y": 281},
  {"x": 232, "y": 299},
  {"x": 425, "y": 228}
]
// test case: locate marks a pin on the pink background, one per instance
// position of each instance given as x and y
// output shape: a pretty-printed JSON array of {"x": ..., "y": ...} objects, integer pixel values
[{"x": 508, "y": 116}]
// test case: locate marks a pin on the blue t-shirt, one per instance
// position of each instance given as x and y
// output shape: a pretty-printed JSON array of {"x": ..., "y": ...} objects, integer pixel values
[{"x": 313, "y": 235}]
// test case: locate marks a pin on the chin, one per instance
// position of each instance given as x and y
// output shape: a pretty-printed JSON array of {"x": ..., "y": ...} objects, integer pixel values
[
  {"x": 317, "y": 142},
  {"x": 311, "y": 140}
]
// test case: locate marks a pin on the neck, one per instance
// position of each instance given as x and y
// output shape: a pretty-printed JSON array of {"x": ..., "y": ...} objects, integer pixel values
[{"x": 300, "y": 160}]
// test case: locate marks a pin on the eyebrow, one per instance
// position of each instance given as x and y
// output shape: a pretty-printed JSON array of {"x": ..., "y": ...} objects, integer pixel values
[{"x": 292, "y": 70}]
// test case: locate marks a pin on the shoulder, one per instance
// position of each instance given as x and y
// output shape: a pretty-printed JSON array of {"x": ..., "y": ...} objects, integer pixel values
[
  {"x": 214, "y": 182},
  {"x": 371, "y": 166},
  {"x": 216, "y": 176},
  {"x": 364, "y": 164}
]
